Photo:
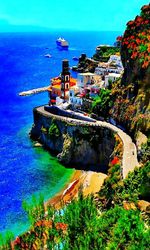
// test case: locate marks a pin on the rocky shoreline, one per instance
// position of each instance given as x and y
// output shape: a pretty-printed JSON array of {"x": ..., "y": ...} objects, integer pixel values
[{"x": 74, "y": 143}]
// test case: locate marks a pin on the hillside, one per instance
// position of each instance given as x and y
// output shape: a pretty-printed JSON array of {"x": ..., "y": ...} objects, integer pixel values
[{"x": 131, "y": 95}]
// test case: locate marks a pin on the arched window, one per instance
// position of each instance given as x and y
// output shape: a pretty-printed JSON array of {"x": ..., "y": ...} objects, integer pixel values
[
  {"x": 67, "y": 78},
  {"x": 67, "y": 86}
]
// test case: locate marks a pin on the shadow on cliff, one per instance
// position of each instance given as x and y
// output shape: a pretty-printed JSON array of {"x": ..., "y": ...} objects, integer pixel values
[{"x": 99, "y": 168}]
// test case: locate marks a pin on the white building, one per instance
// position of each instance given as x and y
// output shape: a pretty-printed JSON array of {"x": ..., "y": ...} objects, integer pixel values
[
  {"x": 116, "y": 60},
  {"x": 112, "y": 76},
  {"x": 73, "y": 99},
  {"x": 105, "y": 70},
  {"x": 100, "y": 70},
  {"x": 85, "y": 79},
  {"x": 114, "y": 65},
  {"x": 59, "y": 100}
]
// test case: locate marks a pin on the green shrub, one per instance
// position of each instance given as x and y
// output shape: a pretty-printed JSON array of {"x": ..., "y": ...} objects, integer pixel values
[{"x": 54, "y": 130}]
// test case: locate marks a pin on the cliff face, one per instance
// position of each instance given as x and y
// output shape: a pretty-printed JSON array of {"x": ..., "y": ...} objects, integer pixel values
[
  {"x": 85, "y": 64},
  {"x": 131, "y": 95},
  {"x": 135, "y": 47},
  {"x": 78, "y": 146}
]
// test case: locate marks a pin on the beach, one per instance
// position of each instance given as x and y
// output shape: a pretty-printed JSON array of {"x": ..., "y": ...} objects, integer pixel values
[{"x": 90, "y": 183}]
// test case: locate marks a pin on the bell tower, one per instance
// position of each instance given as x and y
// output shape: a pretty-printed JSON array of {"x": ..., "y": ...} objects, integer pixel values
[{"x": 65, "y": 79}]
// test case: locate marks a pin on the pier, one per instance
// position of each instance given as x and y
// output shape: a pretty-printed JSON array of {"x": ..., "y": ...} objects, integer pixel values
[{"x": 33, "y": 91}]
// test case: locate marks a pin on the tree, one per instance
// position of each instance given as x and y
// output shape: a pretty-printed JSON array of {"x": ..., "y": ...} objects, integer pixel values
[{"x": 102, "y": 103}]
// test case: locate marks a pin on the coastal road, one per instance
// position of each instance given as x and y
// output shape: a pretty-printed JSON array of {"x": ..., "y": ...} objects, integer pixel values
[{"x": 129, "y": 159}]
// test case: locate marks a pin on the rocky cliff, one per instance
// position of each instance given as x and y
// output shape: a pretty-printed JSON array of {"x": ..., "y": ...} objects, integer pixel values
[
  {"x": 131, "y": 95},
  {"x": 76, "y": 145},
  {"x": 85, "y": 64}
]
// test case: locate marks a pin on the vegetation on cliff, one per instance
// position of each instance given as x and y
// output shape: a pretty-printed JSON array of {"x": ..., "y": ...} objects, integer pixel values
[
  {"x": 54, "y": 130},
  {"x": 102, "y": 103},
  {"x": 136, "y": 39},
  {"x": 131, "y": 94},
  {"x": 103, "y": 53}
]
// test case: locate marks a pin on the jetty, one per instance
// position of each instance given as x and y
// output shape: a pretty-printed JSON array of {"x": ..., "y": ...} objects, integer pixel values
[{"x": 33, "y": 91}]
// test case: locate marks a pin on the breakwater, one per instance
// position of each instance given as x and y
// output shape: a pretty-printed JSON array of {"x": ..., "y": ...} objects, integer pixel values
[{"x": 33, "y": 91}]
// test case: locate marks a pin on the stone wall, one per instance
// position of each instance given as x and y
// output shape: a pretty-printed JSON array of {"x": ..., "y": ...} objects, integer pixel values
[{"x": 79, "y": 144}]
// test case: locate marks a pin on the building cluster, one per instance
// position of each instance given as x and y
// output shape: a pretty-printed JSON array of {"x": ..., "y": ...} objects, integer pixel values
[
  {"x": 64, "y": 88},
  {"x": 111, "y": 70}
]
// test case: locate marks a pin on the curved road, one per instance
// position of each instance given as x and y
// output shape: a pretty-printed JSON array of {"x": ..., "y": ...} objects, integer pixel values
[{"x": 129, "y": 160}]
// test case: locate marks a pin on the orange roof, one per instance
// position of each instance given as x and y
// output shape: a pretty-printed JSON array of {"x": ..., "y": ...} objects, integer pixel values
[
  {"x": 49, "y": 88},
  {"x": 57, "y": 86},
  {"x": 57, "y": 81}
]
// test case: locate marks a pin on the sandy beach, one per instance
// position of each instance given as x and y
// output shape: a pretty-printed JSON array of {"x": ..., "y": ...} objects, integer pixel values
[{"x": 90, "y": 182}]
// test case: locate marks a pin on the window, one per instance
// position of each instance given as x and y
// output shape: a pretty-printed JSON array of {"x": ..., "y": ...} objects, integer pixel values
[
  {"x": 67, "y": 78},
  {"x": 70, "y": 93},
  {"x": 67, "y": 86}
]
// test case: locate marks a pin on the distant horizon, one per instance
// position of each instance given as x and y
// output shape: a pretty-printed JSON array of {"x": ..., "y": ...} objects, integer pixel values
[
  {"x": 51, "y": 30},
  {"x": 32, "y": 28}
]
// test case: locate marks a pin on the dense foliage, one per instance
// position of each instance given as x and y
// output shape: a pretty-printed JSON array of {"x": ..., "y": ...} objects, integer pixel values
[
  {"x": 104, "y": 53},
  {"x": 145, "y": 151},
  {"x": 102, "y": 102},
  {"x": 135, "y": 186},
  {"x": 82, "y": 226},
  {"x": 130, "y": 95},
  {"x": 137, "y": 36}
]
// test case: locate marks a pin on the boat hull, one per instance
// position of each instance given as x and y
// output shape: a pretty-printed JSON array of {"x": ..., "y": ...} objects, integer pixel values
[
  {"x": 62, "y": 44},
  {"x": 59, "y": 46}
]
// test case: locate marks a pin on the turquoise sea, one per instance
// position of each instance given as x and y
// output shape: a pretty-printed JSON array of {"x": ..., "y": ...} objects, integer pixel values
[{"x": 24, "y": 169}]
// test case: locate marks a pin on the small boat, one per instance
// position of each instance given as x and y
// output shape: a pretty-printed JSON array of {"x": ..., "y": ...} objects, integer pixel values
[
  {"x": 75, "y": 58},
  {"x": 48, "y": 55},
  {"x": 62, "y": 43}
]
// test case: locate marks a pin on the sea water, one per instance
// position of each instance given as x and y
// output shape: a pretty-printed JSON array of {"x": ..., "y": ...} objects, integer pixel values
[{"x": 24, "y": 169}]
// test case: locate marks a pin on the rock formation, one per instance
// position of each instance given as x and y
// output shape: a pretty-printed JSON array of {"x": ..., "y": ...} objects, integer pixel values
[{"x": 76, "y": 145}]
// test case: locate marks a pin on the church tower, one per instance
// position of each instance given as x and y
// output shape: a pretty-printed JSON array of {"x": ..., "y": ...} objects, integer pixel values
[{"x": 65, "y": 79}]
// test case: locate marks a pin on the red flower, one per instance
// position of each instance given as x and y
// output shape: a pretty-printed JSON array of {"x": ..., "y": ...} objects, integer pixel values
[
  {"x": 130, "y": 23},
  {"x": 115, "y": 160},
  {"x": 61, "y": 226},
  {"x": 119, "y": 38},
  {"x": 17, "y": 241},
  {"x": 138, "y": 41}
]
